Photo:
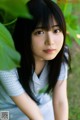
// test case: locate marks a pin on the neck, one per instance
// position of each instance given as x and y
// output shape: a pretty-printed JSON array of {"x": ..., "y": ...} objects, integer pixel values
[{"x": 39, "y": 65}]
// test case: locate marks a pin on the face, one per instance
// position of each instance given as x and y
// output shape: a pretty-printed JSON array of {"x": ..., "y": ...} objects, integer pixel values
[{"x": 46, "y": 44}]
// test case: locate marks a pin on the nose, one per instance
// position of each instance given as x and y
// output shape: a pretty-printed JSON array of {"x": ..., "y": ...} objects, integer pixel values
[{"x": 49, "y": 38}]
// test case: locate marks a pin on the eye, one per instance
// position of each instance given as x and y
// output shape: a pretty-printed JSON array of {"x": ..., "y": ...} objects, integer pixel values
[
  {"x": 57, "y": 30},
  {"x": 39, "y": 32}
]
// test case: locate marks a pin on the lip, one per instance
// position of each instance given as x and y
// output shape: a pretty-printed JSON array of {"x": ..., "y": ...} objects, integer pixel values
[{"x": 49, "y": 50}]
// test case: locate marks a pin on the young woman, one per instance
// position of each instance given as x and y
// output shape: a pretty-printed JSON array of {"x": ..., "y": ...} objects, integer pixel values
[{"x": 38, "y": 89}]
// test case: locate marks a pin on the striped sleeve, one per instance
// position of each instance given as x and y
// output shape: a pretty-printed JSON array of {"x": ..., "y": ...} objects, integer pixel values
[{"x": 10, "y": 81}]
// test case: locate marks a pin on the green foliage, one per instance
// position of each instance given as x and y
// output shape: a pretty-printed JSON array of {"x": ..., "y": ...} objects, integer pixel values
[
  {"x": 71, "y": 22},
  {"x": 74, "y": 84},
  {"x": 15, "y": 7},
  {"x": 43, "y": 90},
  {"x": 9, "y": 57}
]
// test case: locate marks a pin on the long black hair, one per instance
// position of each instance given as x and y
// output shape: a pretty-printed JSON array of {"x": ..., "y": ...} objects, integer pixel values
[{"x": 42, "y": 12}]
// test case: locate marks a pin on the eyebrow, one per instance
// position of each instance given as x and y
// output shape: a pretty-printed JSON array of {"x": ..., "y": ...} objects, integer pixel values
[{"x": 43, "y": 27}]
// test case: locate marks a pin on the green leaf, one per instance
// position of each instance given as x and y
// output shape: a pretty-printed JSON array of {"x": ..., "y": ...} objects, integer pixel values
[
  {"x": 66, "y": 8},
  {"x": 73, "y": 33},
  {"x": 43, "y": 90},
  {"x": 69, "y": 41},
  {"x": 16, "y": 8},
  {"x": 54, "y": 1},
  {"x": 9, "y": 57},
  {"x": 72, "y": 19}
]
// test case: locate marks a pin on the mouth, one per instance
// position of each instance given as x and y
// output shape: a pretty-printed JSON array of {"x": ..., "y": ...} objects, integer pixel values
[{"x": 49, "y": 50}]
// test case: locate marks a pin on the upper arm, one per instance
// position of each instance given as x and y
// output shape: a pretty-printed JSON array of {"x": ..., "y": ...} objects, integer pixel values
[
  {"x": 10, "y": 82},
  {"x": 60, "y": 90}
]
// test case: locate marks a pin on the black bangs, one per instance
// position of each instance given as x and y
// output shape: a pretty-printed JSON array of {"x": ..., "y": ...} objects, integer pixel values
[
  {"x": 44, "y": 12},
  {"x": 43, "y": 16},
  {"x": 47, "y": 20}
]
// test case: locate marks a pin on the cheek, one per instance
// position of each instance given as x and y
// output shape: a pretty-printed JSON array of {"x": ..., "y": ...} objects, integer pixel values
[
  {"x": 38, "y": 43},
  {"x": 60, "y": 41}
]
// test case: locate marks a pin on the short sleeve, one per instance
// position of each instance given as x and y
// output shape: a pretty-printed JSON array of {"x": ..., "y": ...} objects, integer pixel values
[
  {"x": 63, "y": 72},
  {"x": 9, "y": 80}
]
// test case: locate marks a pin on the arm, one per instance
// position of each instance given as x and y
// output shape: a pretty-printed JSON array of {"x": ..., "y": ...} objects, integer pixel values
[
  {"x": 9, "y": 80},
  {"x": 28, "y": 106},
  {"x": 60, "y": 101}
]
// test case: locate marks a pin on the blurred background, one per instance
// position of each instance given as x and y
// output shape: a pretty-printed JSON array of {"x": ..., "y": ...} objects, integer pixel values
[
  {"x": 10, "y": 10},
  {"x": 74, "y": 76}
]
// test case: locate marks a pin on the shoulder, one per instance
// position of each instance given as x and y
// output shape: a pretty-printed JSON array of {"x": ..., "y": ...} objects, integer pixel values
[
  {"x": 8, "y": 73},
  {"x": 10, "y": 81},
  {"x": 63, "y": 71}
]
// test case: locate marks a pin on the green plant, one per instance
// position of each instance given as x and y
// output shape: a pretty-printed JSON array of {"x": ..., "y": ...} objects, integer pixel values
[
  {"x": 9, "y": 57},
  {"x": 16, "y": 7},
  {"x": 72, "y": 23}
]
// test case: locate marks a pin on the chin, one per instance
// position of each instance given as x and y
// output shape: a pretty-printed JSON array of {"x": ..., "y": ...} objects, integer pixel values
[{"x": 50, "y": 58}]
